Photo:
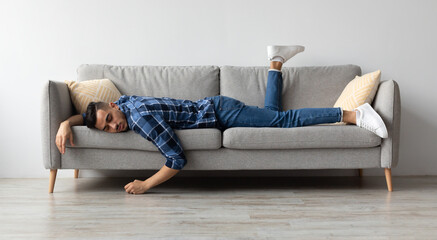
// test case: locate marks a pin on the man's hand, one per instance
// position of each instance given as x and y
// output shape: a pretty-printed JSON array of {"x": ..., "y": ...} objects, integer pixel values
[
  {"x": 64, "y": 133},
  {"x": 138, "y": 186}
]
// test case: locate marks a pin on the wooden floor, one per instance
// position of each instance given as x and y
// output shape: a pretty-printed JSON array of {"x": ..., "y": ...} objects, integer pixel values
[{"x": 221, "y": 208}]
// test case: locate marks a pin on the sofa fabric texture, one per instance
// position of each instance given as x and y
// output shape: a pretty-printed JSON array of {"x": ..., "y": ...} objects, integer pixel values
[
  {"x": 191, "y": 139},
  {"x": 242, "y": 148},
  {"x": 302, "y": 86},
  {"x": 191, "y": 83},
  {"x": 298, "y": 138},
  {"x": 226, "y": 159}
]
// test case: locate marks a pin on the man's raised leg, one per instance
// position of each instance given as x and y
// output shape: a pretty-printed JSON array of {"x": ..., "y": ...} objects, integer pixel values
[
  {"x": 273, "y": 99},
  {"x": 277, "y": 55},
  {"x": 271, "y": 116}
]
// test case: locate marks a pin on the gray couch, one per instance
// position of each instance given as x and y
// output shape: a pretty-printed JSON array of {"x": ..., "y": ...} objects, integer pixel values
[{"x": 312, "y": 147}]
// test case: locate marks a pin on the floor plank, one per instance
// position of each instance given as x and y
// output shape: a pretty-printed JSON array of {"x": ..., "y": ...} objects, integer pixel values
[{"x": 221, "y": 208}]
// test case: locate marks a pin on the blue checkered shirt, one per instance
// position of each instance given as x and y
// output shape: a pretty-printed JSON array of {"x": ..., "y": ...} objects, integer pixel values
[{"x": 155, "y": 118}]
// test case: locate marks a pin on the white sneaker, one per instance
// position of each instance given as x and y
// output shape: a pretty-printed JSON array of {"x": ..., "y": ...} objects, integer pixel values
[
  {"x": 369, "y": 119},
  {"x": 285, "y": 52}
]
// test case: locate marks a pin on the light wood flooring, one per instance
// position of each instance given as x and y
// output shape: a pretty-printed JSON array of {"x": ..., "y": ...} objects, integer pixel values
[{"x": 221, "y": 208}]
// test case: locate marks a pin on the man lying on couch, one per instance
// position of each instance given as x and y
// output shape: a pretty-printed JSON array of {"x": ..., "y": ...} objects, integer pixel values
[{"x": 155, "y": 118}]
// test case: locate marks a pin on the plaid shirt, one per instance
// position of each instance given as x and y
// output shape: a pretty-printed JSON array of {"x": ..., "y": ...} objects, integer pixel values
[{"x": 153, "y": 118}]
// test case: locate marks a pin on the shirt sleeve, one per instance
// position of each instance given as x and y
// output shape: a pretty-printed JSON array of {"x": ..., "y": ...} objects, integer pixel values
[
  {"x": 156, "y": 130},
  {"x": 84, "y": 118}
]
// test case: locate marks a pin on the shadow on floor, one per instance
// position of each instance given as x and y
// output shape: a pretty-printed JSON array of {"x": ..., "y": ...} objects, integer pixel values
[{"x": 212, "y": 184}]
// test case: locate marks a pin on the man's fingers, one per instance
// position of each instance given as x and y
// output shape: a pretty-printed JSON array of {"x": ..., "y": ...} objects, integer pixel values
[
  {"x": 57, "y": 144},
  {"x": 63, "y": 145},
  {"x": 130, "y": 188},
  {"x": 71, "y": 139}
]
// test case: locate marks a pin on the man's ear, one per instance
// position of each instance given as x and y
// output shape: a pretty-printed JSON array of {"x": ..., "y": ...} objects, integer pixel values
[{"x": 113, "y": 105}]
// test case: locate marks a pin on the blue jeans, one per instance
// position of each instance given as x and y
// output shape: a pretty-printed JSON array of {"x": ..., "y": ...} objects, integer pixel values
[{"x": 234, "y": 113}]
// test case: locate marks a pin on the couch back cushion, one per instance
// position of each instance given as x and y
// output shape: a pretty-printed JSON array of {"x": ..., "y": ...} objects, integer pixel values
[
  {"x": 302, "y": 86},
  {"x": 180, "y": 82}
]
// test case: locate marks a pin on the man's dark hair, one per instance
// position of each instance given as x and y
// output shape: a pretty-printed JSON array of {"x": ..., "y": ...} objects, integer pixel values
[{"x": 91, "y": 113}]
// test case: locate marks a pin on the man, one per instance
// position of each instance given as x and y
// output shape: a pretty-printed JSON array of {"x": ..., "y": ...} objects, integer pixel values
[{"x": 155, "y": 118}]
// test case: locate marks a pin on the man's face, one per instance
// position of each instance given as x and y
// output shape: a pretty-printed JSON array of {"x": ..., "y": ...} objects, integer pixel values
[{"x": 111, "y": 119}]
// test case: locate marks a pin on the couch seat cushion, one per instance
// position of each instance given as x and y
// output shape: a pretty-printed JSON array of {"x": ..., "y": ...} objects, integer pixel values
[
  {"x": 348, "y": 136},
  {"x": 191, "y": 139}
]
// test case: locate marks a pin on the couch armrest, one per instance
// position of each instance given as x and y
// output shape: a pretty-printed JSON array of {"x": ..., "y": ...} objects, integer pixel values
[
  {"x": 56, "y": 107},
  {"x": 387, "y": 103}
]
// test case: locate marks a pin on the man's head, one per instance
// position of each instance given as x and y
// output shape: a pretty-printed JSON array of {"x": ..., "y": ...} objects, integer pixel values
[{"x": 106, "y": 117}]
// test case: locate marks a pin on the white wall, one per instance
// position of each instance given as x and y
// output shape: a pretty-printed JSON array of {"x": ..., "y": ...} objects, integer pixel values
[{"x": 41, "y": 40}]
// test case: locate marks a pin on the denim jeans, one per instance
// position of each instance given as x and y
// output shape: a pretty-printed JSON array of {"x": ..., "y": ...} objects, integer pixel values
[{"x": 234, "y": 113}]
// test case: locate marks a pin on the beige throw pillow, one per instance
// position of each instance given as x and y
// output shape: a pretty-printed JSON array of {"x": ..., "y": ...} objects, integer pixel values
[
  {"x": 358, "y": 91},
  {"x": 82, "y": 93}
]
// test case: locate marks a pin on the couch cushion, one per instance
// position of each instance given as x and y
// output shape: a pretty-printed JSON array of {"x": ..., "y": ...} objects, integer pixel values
[
  {"x": 349, "y": 136},
  {"x": 359, "y": 91},
  {"x": 302, "y": 86},
  {"x": 179, "y": 82},
  {"x": 191, "y": 139},
  {"x": 96, "y": 90}
]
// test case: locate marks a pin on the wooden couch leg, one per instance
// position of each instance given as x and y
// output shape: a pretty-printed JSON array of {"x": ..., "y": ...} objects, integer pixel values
[
  {"x": 52, "y": 179},
  {"x": 76, "y": 173},
  {"x": 388, "y": 179},
  {"x": 360, "y": 172}
]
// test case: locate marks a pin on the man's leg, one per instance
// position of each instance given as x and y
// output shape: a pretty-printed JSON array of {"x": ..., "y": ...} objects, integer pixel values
[
  {"x": 241, "y": 115},
  {"x": 233, "y": 113},
  {"x": 277, "y": 55},
  {"x": 253, "y": 116},
  {"x": 273, "y": 99}
]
